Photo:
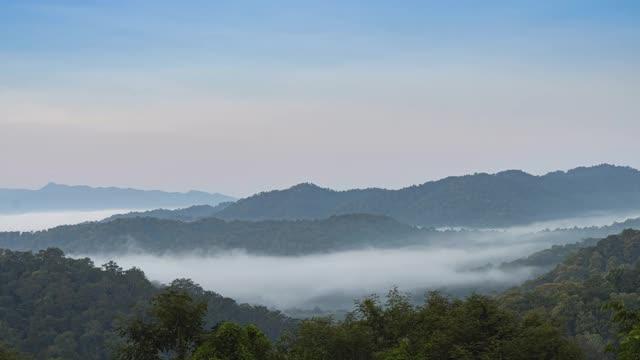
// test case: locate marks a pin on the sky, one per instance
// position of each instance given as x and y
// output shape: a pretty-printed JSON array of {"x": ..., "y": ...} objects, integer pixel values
[{"x": 244, "y": 96}]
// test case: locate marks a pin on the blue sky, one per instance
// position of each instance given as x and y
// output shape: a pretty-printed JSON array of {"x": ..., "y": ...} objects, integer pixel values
[{"x": 242, "y": 96}]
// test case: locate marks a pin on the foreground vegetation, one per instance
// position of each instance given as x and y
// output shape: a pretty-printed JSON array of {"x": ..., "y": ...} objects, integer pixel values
[
  {"x": 54, "y": 307},
  {"x": 577, "y": 291},
  {"x": 441, "y": 328}
]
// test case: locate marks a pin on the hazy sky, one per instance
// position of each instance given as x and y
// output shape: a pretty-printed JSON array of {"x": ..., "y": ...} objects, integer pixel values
[{"x": 243, "y": 96}]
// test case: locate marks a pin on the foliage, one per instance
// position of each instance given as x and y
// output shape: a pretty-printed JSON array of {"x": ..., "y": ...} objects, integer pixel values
[
  {"x": 173, "y": 326},
  {"x": 628, "y": 347},
  {"x": 441, "y": 328},
  {"x": 230, "y": 341},
  {"x": 576, "y": 290},
  {"x": 56, "y": 307},
  {"x": 9, "y": 354}
]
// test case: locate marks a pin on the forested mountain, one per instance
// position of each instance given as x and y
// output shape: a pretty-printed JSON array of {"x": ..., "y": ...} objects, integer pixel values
[
  {"x": 576, "y": 290},
  {"x": 547, "y": 259},
  {"x": 480, "y": 200},
  {"x": 159, "y": 236},
  {"x": 191, "y": 213},
  {"x": 55, "y": 307},
  {"x": 174, "y": 231},
  {"x": 64, "y": 197}
]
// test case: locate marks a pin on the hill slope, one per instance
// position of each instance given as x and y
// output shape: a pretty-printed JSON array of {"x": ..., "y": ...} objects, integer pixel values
[
  {"x": 152, "y": 235},
  {"x": 60, "y": 308},
  {"x": 191, "y": 213},
  {"x": 64, "y": 197},
  {"x": 576, "y": 289},
  {"x": 480, "y": 200}
]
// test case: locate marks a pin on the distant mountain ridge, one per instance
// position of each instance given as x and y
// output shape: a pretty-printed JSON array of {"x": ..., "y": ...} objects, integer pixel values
[
  {"x": 191, "y": 213},
  {"x": 481, "y": 200},
  {"x": 65, "y": 197},
  {"x": 210, "y": 235}
]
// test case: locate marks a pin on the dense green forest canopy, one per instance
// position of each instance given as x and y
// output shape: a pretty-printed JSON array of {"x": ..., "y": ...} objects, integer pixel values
[
  {"x": 547, "y": 259},
  {"x": 53, "y": 307},
  {"x": 56, "y": 307},
  {"x": 479, "y": 200},
  {"x": 440, "y": 328},
  {"x": 578, "y": 288}
]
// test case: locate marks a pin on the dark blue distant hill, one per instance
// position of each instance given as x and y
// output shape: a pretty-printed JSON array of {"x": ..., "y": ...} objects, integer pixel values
[
  {"x": 64, "y": 197},
  {"x": 480, "y": 200},
  {"x": 191, "y": 213}
]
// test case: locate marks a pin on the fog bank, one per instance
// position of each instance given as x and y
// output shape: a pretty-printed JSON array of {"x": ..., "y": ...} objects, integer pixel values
[
  {"x": 35, "y": 221},
  {"x": 285, "y": 282},
  {"x": 602, "y": 218}
]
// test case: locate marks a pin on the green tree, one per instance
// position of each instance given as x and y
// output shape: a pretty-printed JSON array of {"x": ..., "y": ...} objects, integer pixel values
[
  {"x": 174, "y": 326},
  {"x": 230, "y": 341},
  {"x": 628, "y": 347},
  {"x": 8, "y": 354}
]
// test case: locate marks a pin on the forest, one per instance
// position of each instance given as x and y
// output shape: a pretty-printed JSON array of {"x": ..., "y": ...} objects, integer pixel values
[
  {"x": 158, "y": 236},
  {"x": 192, "y": 230},
  {"x": 54, "y": 307}
]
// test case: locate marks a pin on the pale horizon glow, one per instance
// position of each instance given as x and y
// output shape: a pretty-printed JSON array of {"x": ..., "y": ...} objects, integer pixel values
[{"x": 240, "y": 97}]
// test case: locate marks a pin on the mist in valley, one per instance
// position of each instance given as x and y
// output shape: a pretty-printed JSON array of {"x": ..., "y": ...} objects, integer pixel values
[
  {"x": 330, "y": 280},
  {"x": 456, "y": 263},
  {"x": 602, "y": 218},
  {"x": 35, "y": 221}
]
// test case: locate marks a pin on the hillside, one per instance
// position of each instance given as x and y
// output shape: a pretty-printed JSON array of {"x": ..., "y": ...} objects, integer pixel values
[
  {"x": 547, "y": 259},
  {"x": 63, "y": 197},
  {"x": 61, "y": 308},
  {"x": 191, "y": 213},
  {"x": 480, "y": 200},
  {"x": 159, "y": 236},
  {"x": 575, "y": 291}
]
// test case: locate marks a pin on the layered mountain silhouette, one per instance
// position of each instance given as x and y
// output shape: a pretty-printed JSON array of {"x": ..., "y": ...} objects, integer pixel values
[
  {"x": 191, "y": 213},
  {"x": 480, "y": 200},
  {"x": 64, "y": 197},
  {"x": 211, "y": 235}
]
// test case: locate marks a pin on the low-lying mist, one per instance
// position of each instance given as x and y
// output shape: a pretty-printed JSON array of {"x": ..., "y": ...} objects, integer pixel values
[
  {"x": 34, "y": 221},
  {"x": 602, "y": 218},
  {"x": 331, "y": 280},
  {"x": 453, "y": 261}
]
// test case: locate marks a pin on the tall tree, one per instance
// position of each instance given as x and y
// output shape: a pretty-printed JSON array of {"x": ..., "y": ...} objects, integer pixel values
[{"x": 174, "y": 325}]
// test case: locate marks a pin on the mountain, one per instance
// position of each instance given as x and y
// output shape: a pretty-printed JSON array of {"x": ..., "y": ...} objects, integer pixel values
[
  {"x": 480, "y": 200},
  {"x": 547, "y": 259},
  {"x": 64, "y": 197},
  {"x": 575, "y": 291},
  {"x": 159, "y": 236},
  {"x": 192, "y": 213},
  {"x": 191, "y": 230},
  {"x": 55, "y": 307}
]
